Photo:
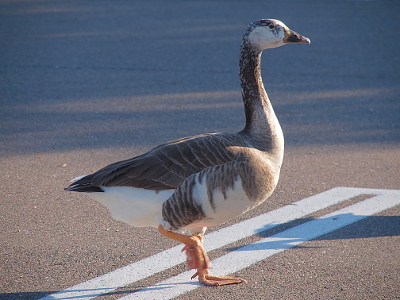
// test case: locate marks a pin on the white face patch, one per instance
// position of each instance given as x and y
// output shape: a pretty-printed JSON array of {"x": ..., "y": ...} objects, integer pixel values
[{"x": 266, "y": 38}]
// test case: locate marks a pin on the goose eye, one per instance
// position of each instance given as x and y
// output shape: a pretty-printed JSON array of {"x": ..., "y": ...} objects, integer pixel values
[{"x": 271, "y": 26}]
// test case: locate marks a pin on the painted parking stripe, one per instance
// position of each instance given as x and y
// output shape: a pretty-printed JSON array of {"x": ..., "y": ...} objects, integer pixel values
[
  {"x": 253, "y": 253},
  {"x": 171, "y": 257}
]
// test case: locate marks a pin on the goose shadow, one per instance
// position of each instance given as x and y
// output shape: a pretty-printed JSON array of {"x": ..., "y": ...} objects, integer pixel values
[
  {"x": 95, "y": 292},
  {"x": 25, "y": 295},
  {"x": 296, "y": 232}
]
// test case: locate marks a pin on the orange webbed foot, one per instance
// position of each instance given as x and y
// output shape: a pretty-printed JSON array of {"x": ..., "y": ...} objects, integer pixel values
[{"x": 197, "y": 258}]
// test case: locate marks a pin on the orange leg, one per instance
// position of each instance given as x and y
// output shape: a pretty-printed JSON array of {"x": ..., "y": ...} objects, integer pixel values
[{"x": 197, "y": 258}]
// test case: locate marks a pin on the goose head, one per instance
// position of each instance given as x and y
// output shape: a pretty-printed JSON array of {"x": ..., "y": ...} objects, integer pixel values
[{"x": 269, "y": 33}]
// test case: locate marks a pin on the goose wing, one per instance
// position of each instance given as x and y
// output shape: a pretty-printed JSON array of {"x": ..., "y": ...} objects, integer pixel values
[{"x": 164, "y": 167}]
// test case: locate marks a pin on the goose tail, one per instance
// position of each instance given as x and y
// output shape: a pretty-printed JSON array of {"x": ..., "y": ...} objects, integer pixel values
[{"x": 83, "y": 184}]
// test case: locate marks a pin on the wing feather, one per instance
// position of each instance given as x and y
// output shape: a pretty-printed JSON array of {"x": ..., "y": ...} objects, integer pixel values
[{"x": 165, "y": 166}]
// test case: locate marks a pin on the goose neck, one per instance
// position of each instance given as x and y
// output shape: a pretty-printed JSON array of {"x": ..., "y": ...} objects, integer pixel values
[{"x": 261, "y": 122}]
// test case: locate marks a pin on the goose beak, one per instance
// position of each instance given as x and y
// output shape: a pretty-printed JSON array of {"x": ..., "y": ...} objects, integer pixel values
[{"x": 294, "y": 37}]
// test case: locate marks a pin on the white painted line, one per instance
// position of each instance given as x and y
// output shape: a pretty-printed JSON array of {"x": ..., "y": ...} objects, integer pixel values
[
  {"x": 173, "y": 256},
  {"x": 253, "y": 253}
]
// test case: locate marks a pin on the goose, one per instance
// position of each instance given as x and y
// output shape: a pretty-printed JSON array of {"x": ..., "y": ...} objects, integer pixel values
[{"x": 183, "y": 186}]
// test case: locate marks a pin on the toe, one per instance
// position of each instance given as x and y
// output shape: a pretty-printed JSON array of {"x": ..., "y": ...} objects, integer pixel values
[{"x": 220, "y": 280}]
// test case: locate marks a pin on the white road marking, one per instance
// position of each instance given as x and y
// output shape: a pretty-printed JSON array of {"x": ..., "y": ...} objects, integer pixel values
[{"x": 260, "y": 250}]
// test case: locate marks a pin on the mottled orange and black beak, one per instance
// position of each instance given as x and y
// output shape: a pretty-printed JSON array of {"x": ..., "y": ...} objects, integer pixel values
[{"x": 294, "y": 37}]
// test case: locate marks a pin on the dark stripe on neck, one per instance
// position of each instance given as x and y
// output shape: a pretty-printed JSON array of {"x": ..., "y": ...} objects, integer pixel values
[{"x": 253, "y": 91}]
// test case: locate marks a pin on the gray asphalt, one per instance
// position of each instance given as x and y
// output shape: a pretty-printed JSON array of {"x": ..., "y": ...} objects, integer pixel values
[{"x": 87, "y": 83}]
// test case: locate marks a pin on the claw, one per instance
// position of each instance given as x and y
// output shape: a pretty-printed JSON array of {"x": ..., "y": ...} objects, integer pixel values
[{"x": 194, "y": 275}]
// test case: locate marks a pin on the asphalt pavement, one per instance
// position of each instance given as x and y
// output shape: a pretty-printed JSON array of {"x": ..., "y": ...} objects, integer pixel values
[{"x": 87, "y": 83}]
